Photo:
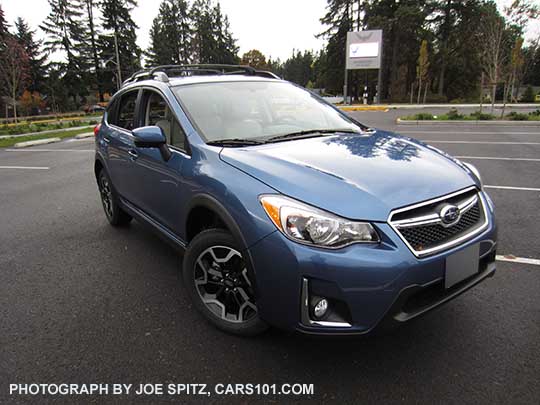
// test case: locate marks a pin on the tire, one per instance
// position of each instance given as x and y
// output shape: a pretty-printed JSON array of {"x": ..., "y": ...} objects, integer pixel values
[
  {"x": 113, "y": 211},
  {"x": 216, "y": 278}
]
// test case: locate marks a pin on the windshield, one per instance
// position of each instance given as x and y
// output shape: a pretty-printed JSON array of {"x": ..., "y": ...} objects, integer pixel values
[{"x": 257, "y": 109}]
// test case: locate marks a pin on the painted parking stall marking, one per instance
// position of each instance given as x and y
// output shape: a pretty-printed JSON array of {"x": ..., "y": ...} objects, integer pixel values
[
  {"x": 25, "y": 167},
  {"x": 498, "y": 158},
  {"x": 50, "y": 150},
  {"x": 513, "y": 188},
  {"x": 483, "y": 142},
  {"x": 514, "y": 259}
]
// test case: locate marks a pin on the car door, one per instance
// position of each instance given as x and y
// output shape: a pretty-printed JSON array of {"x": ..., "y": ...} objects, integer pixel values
[
  {"x": 120, "y": 146},
  {"x": 160, "y": 187}
]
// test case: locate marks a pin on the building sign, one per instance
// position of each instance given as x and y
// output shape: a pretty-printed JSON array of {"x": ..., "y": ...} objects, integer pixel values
[{"x": 364, "y": 49}]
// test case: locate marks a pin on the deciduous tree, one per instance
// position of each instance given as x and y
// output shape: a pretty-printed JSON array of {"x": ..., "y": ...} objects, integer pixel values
[
  {"x": 254, "y": 58},
  {"x": 14, "y": 69}
]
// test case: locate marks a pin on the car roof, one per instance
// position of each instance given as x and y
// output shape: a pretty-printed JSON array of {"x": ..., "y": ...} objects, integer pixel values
[
  {"x": 178, "y": 81},
  {"x": 196, "y": 79},
  {"x": 177, "y": 75}
]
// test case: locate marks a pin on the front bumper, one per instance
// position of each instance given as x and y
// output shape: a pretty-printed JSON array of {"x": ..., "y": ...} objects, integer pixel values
[{"x": 379, "y": 285}]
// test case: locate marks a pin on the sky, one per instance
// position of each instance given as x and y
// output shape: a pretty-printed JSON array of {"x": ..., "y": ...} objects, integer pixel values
[{"x": 274, "y": 27}]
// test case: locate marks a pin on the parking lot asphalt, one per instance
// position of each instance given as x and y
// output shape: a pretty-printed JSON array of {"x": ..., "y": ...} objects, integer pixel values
[{"x": 81, "y": 302}]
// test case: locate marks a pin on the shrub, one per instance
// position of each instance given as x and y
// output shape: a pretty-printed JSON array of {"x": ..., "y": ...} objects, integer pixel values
[
  {"x": 528, "y": 95},
  {"x": 480, "y": 116},
  {"x": 423, "y": 117},
  {"x": 515, "y": 116},
  {"x": 453, "y": 114}
]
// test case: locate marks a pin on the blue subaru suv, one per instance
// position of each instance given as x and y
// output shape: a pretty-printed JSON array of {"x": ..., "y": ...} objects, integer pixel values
[{"x": 289, "y": 212}]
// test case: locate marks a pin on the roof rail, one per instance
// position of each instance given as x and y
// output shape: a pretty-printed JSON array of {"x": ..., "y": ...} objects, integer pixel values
[{"x": 164, "y": 72}]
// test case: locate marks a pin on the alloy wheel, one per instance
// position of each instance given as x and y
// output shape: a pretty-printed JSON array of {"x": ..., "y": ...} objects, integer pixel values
[
  {"x": 106, "y": 196},
  {"x": 222, "y": 281}
]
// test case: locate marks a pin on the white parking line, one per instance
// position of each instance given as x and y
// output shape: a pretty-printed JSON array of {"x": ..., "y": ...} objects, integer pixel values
[
  {"x": 514, "y": 259},
  {"x": 468, "y": 132},
  {"x": 498, "y": 158},
  {"x": 482, "y": 142},
  {"x": 50, "y": 150},
  {"x": 513, "y": 188},
  {"x": 25, "y": 167}
]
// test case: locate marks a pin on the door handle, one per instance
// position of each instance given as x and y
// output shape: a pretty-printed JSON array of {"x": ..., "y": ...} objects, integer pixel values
[
  {"x": 106, "y": 139},
  {"x": 133, "y": 154}
]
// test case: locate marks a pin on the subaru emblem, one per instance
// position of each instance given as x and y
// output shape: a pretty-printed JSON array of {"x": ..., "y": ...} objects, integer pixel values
[{"x": 449, "y": 214}]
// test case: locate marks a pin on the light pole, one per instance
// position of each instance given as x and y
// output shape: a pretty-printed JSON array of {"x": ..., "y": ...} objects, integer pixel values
[
  {"x": 116, "y": 73},
  {"x": 115, "y": 60}
]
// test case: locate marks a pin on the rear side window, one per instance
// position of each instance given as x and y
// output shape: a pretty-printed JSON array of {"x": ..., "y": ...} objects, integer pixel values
[{"x": 125, "y": 112}]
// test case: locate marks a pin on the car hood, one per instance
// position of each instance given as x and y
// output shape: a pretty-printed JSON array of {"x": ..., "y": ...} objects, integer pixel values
[{"x": 354, "y": 176}]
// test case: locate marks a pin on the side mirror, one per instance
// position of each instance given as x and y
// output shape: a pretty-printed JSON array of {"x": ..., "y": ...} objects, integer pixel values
[{"x": 152, "y": 137}]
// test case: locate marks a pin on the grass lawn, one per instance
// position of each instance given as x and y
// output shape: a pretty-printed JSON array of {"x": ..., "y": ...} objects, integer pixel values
[{"x": 6, "y": 142}]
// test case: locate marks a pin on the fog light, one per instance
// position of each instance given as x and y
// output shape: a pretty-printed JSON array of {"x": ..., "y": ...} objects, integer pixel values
[{"x": 321, "y": 308}]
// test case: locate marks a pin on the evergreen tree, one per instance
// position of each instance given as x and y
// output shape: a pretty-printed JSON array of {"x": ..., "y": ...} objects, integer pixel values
[
  {"x": 158, "y": 53},
  {"x": 204, "y": 44},
  {"x": 339, "y": 19},
  {"x": 64, "y": 33},
  {"x": 226, "y": 49},
  {"x": 212, "y": 38},
  {"x": 171, "y": 34},
  {"x": 3, "y": 24},
  {"x": 3, "y": 35},
  {"x": 299, "y": 68},
  {"x": 121, "y": 37},
  {"x": 91, "y": 51},
  {"x": 36, "y": 59},
  {"x": 275, "y": 66}
]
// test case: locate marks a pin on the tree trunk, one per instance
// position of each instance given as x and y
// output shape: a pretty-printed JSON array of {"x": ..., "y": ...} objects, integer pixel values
[
  {"x": 512, "y": 88},
  {"x": 419, "y": 91},
  {"x": 412, "y": 92},
  {"x": 493, "y": 93},
  {"x": 481, "y": 92},
  {"x": 440, "y": 91},
  {"x": 425, "y": 92},
  {"x": 14, "y": 106}
]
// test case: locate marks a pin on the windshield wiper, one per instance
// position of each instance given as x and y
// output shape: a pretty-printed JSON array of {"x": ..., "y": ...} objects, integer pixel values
[
  {"x": 234, "y": 142},
  {"x": 310, "y": 133}
]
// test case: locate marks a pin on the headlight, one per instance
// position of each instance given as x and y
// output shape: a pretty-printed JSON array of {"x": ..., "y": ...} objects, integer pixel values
[
  {"x": 475, "y": 173},
  {"x": 306, "y": 224}
]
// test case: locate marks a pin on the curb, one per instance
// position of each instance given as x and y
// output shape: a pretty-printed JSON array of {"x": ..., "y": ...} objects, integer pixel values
[
  {"x": 36, "y": 142},
  {"x": 365, "y": 108},
  {"x": 449, "y": 105},
  {"x": 463, "y": 123},
  {"x": 85, "y": 135}
]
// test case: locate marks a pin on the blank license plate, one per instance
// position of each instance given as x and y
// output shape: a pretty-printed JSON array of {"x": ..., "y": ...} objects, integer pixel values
[{"x": 461, "y": 265}]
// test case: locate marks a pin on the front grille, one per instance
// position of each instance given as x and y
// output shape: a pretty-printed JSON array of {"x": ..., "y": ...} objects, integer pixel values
[
  {"x": 424, "y": 231},
  {"x": 428, "y": 236}
]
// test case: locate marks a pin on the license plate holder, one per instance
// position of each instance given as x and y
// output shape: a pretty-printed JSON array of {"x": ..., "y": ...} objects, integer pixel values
[{"x": 461, "y": 265}]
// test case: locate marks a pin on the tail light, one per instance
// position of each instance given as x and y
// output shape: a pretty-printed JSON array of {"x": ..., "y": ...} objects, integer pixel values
[{"x": 96, "y": 129}]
